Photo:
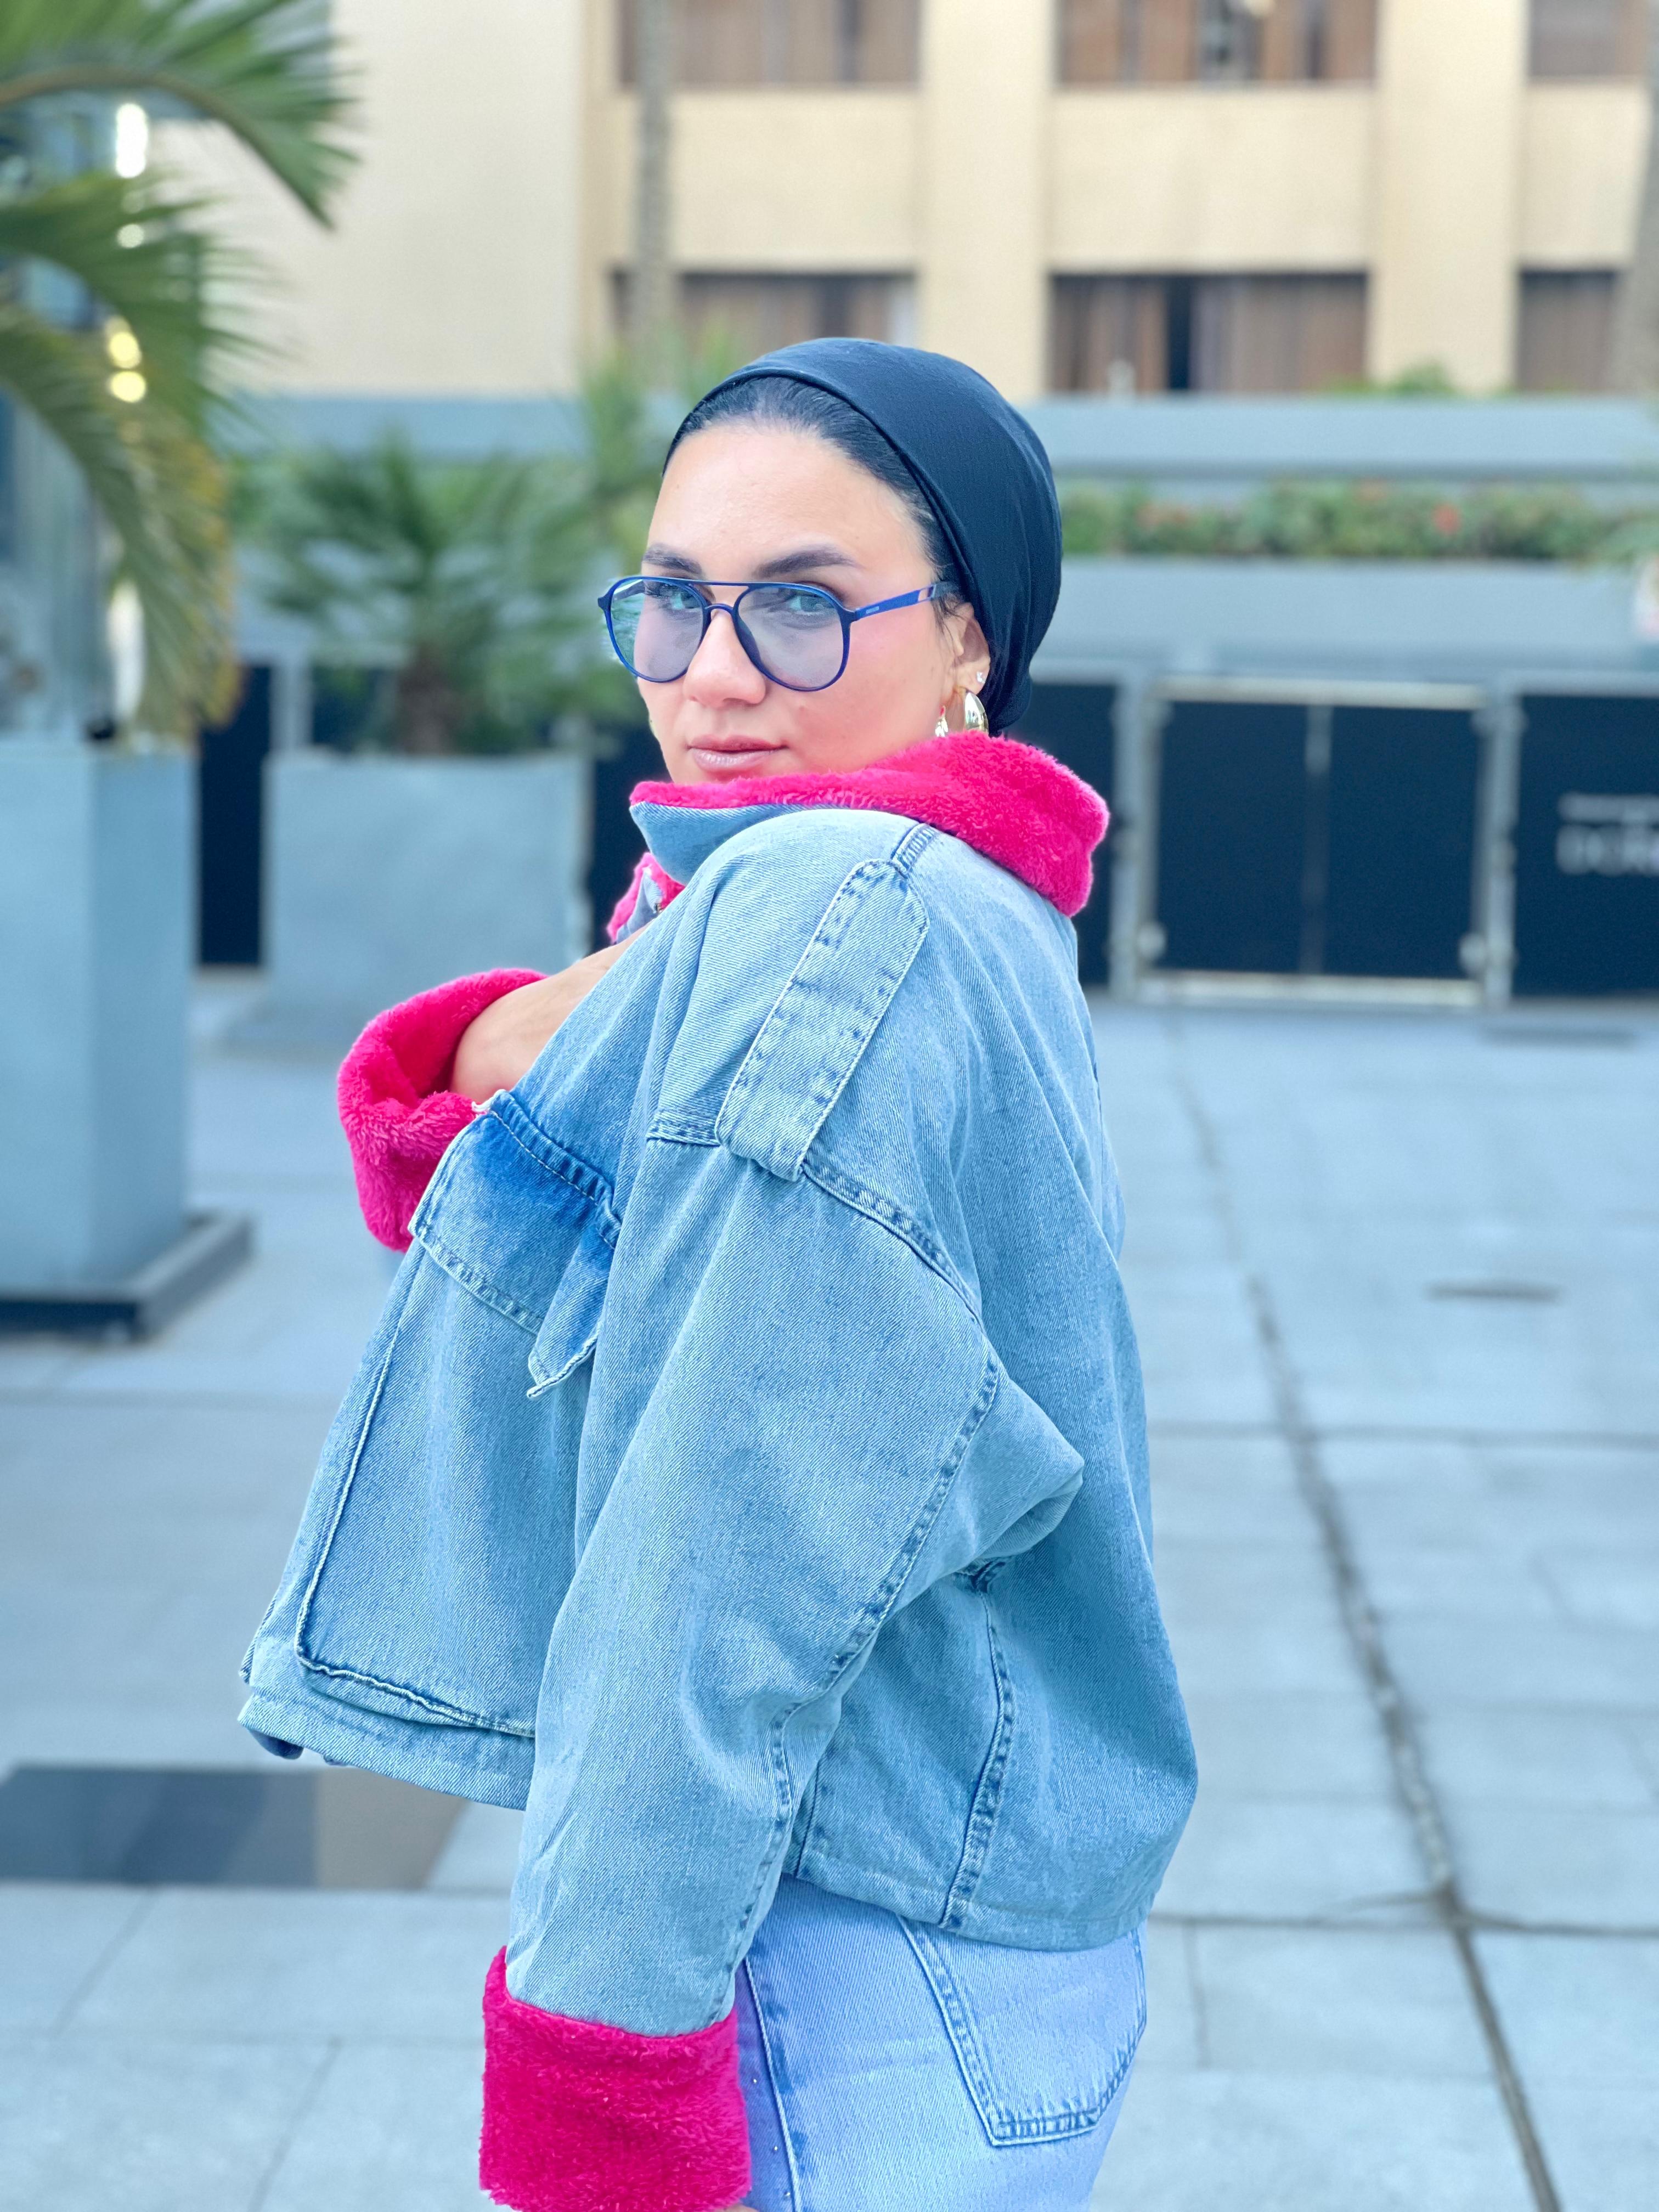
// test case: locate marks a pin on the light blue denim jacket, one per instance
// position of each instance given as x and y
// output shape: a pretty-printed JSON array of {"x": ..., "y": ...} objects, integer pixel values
[{"x": 748, "y": 1474}]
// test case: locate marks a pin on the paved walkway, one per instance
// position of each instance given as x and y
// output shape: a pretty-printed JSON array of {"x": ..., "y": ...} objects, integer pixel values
[{"x": 1398, "y": 1285}]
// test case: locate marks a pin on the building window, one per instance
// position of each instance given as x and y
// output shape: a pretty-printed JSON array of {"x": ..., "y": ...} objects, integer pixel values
[
  {"x": 774, "y": 42},
  {"x": 1589, "y": 37},
  {"x": 1129, "y": 334},
  {"x": 1566, "y": 329},
  {"x": 747, "y": 315},
  {"x": 1216, "y": 41}
]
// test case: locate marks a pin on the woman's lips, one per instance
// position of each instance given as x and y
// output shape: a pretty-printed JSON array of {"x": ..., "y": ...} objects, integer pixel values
[{"x": 730, "y": 759}]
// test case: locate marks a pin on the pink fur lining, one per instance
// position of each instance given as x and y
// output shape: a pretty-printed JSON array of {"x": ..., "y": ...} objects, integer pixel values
[
  {"x": 667, "y": 891},
  {"x": 1012, "y": 802},
  {"x": 581, "y": 2117},
  {"x": 398, "y": 1112}
]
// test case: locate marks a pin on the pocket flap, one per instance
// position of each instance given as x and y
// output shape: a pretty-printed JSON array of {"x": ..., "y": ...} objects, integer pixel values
[
  {"x": 570, "y": 1327},
  {"x": 808, "y": 1046},
  {"x": 511, "y": 1215}
]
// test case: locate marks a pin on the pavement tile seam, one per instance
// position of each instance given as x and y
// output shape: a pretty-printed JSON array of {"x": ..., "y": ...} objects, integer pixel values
[
  {"x": 144, "y": 1905},
  {"x": 303, "y": 2107},
  {"x": 1325, "y": 1505}
]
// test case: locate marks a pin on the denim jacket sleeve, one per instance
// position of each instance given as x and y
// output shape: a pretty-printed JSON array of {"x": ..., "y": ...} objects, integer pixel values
[{"x": 795, "y": 1425}]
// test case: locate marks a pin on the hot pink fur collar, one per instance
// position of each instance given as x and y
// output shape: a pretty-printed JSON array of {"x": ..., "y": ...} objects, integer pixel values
[{"x": 1013, "y": 803}]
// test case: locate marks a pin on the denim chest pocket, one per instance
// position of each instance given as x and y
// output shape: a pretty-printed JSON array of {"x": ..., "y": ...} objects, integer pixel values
[
  {"x": 1045, "y": 2039},
  {"x": 449, "y": 1543}
]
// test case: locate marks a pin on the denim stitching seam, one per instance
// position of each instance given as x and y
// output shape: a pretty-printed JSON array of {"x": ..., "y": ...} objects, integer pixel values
[
  {"x": 1004, "y": 2127},
  {"x": 587, "y": 1182},
  {"x": 835, "y": 1183},
  {"x": 988, "y": 1793},
  {"x": 772, "y": 2074}
]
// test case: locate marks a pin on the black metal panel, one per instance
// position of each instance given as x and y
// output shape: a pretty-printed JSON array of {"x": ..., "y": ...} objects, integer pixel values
[
  {"x": 1400, "y": 841},
  {"x": 1232, "y": 835},
  {"x": 228, "y": 828},
  {"x": 350, "y": 706},
  {"x": 617, "y": 842},
  {"x": 1077, "y": 723},
  {"x": 1586, "y": 847}
]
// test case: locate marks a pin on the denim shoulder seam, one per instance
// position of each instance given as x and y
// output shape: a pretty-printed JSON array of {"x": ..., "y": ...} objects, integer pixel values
[
  {"x": 835, "y": 1183},
  {"x": 847, "y": 1190}
]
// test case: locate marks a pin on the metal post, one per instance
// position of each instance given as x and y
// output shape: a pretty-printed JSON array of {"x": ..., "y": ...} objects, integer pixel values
[
  {"x": 1315, "y": 837},
  {"x": 1500, "y": 723},
  {"x": 290, "y": 704},
  {"x": 1140, "y": 716}
]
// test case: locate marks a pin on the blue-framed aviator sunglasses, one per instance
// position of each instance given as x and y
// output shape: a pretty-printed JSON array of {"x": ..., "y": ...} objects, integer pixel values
[{"x": 795, "y": 634}]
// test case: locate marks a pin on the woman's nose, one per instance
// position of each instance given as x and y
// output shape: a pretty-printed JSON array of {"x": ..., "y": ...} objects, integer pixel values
[{"x": 720, "y": 670}]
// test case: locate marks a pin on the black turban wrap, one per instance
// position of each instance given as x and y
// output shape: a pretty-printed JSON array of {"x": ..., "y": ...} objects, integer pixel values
[{"x": 985, "y": 474}]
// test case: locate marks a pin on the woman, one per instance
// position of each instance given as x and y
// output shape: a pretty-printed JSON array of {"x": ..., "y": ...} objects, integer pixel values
[{"x": 748, "y": 1475}]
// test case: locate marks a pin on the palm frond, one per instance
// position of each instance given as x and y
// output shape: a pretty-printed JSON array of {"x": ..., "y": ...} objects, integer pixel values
[
  {"x": 267, "y": 69},
  {"x": 137, "y": 247},
  {"x": 472, "y": 581},
  {"x": 160, "y": 490}
]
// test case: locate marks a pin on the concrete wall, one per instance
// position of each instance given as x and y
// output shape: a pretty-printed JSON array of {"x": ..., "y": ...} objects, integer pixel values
[
  {"x": 1582, "y": 147},
  {"x": 475, "y": 249},
  {"x": 840, "y": 190},
  {"x": 1217, "y": 177},
  {"x": 1447, "y": 209},
  {"x": 1524, "y": 624},
  {"x": 96, "y": 925},
  {"x": 454, "y": 262}
]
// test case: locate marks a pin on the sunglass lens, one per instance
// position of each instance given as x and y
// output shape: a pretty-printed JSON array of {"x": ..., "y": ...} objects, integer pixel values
[
  {"x": 657, "y": 627},
  {"x": 797, "y": 632}
]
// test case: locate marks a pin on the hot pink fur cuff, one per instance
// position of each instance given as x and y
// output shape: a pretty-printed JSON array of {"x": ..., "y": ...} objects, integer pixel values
[
  {"x": 581, "y": 2117},
  {"x": 396, "y": 1110}
]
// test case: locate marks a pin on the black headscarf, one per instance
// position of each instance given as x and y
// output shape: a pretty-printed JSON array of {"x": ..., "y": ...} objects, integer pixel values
[{"x": 985, "y": 474}]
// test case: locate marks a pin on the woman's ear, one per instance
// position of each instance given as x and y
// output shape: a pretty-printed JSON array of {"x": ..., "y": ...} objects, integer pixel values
[{"x": 970, "y": 663}]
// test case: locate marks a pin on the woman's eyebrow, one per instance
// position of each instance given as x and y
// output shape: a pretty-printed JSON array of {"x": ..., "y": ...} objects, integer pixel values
[
  {"x": 807, "y": 556},
  {"x": 677, "y": 564},
  {"x": 793, "y": 564}
]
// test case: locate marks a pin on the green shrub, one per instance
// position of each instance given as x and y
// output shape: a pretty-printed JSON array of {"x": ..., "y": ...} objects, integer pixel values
[{"x": 1297, "y": 520}]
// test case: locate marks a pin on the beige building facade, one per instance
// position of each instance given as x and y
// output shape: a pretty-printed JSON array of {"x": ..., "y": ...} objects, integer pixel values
[{"x": 1128, "y": 195}]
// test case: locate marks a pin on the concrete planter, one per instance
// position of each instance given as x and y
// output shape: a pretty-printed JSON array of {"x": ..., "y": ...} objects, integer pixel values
[
  {"x": 1514, "y": 622},
  {"x": 386, "y": 875},
  {"x": 96, "y": 857}
]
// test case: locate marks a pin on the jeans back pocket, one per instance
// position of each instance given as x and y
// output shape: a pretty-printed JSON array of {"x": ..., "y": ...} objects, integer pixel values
[{"x": 1045, "y": 2039}]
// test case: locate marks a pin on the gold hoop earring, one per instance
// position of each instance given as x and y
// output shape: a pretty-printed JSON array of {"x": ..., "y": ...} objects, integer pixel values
[{"x": 973, "y": 713}]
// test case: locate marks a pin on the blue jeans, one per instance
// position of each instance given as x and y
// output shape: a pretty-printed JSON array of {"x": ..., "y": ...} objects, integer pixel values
[{"x": 890, "y": 2068}]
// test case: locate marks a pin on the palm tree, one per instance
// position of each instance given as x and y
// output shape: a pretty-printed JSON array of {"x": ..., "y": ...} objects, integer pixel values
[
  {"x": 128, "y": 383},
  {"x": 469, "y": 584}
]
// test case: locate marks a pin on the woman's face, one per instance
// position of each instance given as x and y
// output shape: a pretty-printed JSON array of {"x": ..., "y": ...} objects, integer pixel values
[{"x": 753, "y": 504}]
